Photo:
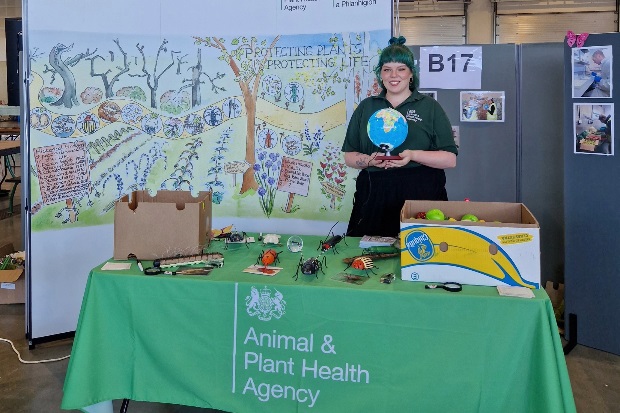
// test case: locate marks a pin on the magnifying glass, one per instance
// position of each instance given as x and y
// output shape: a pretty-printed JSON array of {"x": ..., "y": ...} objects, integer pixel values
[
  {"x": 155, "y": 269},
  {"x": 449, "y": 286}
]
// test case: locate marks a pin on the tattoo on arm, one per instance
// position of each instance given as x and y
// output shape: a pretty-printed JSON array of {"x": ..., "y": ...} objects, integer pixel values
[{"x": 361, "y": 162}]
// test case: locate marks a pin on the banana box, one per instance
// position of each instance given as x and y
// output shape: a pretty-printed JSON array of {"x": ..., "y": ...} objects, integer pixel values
[{"x": 502, "y": 248}]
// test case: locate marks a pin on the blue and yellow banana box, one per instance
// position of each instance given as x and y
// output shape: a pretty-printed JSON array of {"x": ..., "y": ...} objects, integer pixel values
[{"x": 497, "y": 244}]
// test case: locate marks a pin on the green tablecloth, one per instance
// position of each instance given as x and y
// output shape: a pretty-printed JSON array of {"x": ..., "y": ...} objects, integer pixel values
[{"x": 252, "y": 343}]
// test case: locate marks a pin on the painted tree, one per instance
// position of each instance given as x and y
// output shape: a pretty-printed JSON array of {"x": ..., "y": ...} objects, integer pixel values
[
  {"x": 354, "y": 74},
  {"x": 62, "y": 66},
  {"x": 195, "y": 81},
  {"x": 152, "y": 78},
  {"x": 246, "y": 59},
  {"x": 108, "y": 83},
  {"x": 357, "y": 67},
  {"x": 35, "y": 54}
]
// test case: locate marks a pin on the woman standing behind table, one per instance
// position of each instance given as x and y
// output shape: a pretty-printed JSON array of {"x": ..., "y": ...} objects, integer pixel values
[{"x": 384, "y": 185}]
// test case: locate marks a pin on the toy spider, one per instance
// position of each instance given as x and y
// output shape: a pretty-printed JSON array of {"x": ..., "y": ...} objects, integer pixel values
[{"x": 311, "y": 266}]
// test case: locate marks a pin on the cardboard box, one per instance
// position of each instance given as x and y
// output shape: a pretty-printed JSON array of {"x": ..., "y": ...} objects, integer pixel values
[
  {"x": 165, "y": 225},
  {"x": 503, "y": 250},
  {"x": 12, "y": 282}
]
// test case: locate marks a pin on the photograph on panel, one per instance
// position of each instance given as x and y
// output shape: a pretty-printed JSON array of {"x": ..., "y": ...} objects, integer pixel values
[
  {"x": 477, "y": 106},
  {"x": 429, "y": 93},
  {"x": 593, "y": 128},
  {"x": 592, "y": 72}
]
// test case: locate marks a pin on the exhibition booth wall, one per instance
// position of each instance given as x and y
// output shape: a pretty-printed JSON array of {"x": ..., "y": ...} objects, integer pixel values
[
  {"x": 591, "y": 192},
  {"x": 517, "y": 158},
  {"x": 176, "y": 103}
]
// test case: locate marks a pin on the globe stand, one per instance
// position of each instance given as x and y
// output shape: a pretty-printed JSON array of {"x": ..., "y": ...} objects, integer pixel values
[{"x": 387, "y": 157}]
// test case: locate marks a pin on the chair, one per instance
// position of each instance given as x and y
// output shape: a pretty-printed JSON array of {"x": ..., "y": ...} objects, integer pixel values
[
  {"x": 12, "y": 178},
  {"x": 15, "y": 180}
]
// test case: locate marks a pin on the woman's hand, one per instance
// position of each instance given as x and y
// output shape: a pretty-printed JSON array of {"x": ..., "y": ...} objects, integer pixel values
[
  {"x": 434, "y": 159},
  {"x": 362, "y": 161},
  {"x": 406, "y": 157}
]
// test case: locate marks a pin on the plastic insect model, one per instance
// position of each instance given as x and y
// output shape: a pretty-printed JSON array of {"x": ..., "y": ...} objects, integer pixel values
[
  {"x": 267, "y": 258},
  {"x": 311, "y": 266},
  {"x": 271, "y": 239},
  {"x": 236, "y": 237},
  {"x": 331, "y": 242},
  {"x": 363, "y": 263},
  {"x": 221, "y": 233},
  {"x": 388, "y": 278}
]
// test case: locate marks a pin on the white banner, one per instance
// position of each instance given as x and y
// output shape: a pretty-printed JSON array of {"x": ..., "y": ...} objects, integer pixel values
[
  {"x": 451, "y": 67},
  {"x": 192, "y": 95}
]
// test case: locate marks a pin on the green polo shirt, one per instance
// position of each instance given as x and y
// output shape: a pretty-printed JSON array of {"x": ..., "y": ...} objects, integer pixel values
[{"x": 429, "y": 126}]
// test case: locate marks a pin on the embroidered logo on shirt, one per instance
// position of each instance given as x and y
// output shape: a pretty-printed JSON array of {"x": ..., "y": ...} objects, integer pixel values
[{"x": 411, "y": 115}]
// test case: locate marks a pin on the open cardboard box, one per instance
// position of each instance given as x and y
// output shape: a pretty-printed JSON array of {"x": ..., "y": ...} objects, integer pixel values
[
  {"x": 12, "y": 282},
  {"x": 165, "y": 225},
  {"x": 503, "y": 250}
]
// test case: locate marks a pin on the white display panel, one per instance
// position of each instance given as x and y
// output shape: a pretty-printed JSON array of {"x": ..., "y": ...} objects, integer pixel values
[{"x": 121, "y": 93}]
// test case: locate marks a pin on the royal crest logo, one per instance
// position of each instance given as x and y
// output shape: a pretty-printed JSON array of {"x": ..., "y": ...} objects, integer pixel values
[
  {"x": 419, "y": 246},
  {"x": 263, "y": 305},
  {"x": 413, "y": 116}
]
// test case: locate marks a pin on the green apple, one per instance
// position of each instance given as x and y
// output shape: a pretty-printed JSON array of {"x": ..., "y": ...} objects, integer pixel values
[
  {"x": 469, "y": 217},
  {"x": 435, "y": 215}
]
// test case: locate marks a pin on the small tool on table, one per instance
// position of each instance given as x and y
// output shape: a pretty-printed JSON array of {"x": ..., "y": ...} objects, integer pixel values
[
  {"x": 448, "y": 286},
  {"x": 132, "y": 256}
]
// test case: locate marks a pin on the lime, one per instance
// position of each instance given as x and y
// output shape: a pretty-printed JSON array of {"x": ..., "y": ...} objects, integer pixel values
[
  {"x": 435, "y": 215},
  {"x": 469, "y": 217}
]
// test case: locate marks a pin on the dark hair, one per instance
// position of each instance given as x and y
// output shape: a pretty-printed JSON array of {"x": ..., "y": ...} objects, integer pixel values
[{"x": 397, "y": 52}]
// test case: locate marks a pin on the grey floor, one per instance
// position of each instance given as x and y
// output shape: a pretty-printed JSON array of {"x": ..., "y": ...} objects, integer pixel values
[{"x": 594, "y": 375}]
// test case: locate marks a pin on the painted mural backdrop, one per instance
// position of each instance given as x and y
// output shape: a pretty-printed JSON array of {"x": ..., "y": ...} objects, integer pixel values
[{"x": 257, "y": 120}]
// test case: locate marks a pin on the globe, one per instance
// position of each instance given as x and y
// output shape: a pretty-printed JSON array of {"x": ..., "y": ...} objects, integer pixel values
[
  {"x": 387, "y": 128},
  {"x": 295, "y": 243}
]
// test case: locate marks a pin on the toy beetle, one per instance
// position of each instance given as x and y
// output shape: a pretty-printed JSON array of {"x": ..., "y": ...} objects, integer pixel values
[
  {"x": 267, "y": 258},
  {"x": 221, "y": 233},
  {"x": 311, "y": 266},
  {"x": 236, "y": 237},
  {"x": 363, "y": 263},
  {"x": 388, "y": 278},
  {"x": 330, "y": 242}
]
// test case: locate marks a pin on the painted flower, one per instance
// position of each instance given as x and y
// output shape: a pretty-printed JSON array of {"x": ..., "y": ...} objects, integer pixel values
[
  {"x": 262, "y": 191},
  {"x": 257, "y": 167}
]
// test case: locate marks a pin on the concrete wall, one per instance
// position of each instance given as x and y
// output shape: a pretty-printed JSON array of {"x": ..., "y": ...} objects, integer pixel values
[{"x": 480, "y": 22}]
